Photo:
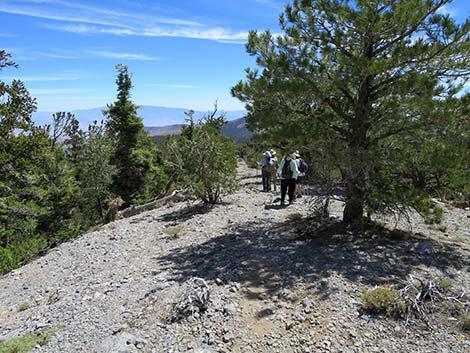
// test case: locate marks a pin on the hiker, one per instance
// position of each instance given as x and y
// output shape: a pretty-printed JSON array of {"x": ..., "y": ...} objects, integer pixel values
[
  {"x": 266, "y": 170},
  {"x": 275, "y": 167},
  {"x": 303, "y": 168},
  {"x": 288, "y": 172}
]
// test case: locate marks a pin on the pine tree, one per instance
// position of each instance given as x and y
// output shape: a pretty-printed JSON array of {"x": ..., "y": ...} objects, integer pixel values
[
  {"x": 356, "y": 75},
  {"x": 125, "y": 127}
]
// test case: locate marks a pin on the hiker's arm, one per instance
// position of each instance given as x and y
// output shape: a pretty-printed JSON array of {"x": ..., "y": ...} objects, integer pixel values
[
  {"x": 279, "y": 170},
  {"x": 295, "y": 169}
]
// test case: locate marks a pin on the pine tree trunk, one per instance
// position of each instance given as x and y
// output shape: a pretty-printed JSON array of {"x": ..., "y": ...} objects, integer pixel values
[
  {"x": 355, "y": 176},
  {"x": 354, "y": 208}
]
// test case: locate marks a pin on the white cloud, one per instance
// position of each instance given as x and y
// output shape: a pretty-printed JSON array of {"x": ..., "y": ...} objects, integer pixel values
[
  {"x": 217, "y": 33},
  {"x": 46, "y": 14},
  {"x": 239, "y": 42},
  {"x": 75, "y": 12},
  {"x": 125, "y": 56},
  {"x": 86, "y": 19},
  {"x": 58, "y": 56},
  {"x": 447, "y": 10}
]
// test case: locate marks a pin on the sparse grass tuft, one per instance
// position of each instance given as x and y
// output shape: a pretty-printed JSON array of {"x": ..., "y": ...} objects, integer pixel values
[
  {"x": 435, "y": 215},
  {"x": 53, "y": 297},
  {"x": 465, "y": 321},
  {"x": 444, "y": 283},
  {"x": 24, "y": 343},
  {"x": 383, "y": 300},
  {"x": 23, "y": 307},
  {"x": 173, "y": 232}
]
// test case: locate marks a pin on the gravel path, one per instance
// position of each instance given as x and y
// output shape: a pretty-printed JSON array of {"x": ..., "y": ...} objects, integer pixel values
[{"x": 113, "y": 290}]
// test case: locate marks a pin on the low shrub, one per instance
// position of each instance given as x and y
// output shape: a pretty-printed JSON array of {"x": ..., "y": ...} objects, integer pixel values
[
  {"x": 174, "y": 232},
  {"x": 23, "y": 307},
  {"x": 24, "y": 343},
  {"x": 444, "y": 283},
  {"x": 383, "y": 300},
  {"x": 465, "y": 321}
]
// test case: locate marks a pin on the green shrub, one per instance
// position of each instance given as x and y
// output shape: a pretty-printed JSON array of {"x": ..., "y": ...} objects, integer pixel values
[
  {"x": 435, "y": 215},
  {"x": 444, "y": 283},
  {"x": 204, "y": 159},
  {"x": 23, "y": 344},
  {"x": 14, "y": 255},
  {"x": 465, "y": 322},
  {"x": 173, "y": 231},
  {"x": 383, "y": 300},
  {"x": 23, "y": 307}
]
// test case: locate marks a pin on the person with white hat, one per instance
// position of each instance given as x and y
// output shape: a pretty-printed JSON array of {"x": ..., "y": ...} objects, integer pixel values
[{"x": 266, "y": 170}]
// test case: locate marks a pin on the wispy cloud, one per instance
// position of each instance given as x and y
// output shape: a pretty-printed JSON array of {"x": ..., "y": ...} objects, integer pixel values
[
  {"x": 125, "y": 56},
  {"x": 447, "y": 10},
  {"x": 171, "y": 86},
  {"x": 58, "y": 56},
  {"x": 239, "y": 42},
  {"x": 217, "y": 33},
  {"x": 46, "y": 13},
  {"x": 85, "y": 19},
  {"x": 10, "y": 35},
  {"x": 46, "y": 78}
]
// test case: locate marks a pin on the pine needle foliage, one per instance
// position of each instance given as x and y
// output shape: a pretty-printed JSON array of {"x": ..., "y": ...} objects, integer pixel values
[{"x": 361, "y": 79}]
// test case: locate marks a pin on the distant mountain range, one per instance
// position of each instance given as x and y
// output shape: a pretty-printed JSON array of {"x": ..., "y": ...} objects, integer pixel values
[
  {"x": 233, "y": 128},
  {"x": 160, "y": 121},
  {"x": 151, "y": 115}
]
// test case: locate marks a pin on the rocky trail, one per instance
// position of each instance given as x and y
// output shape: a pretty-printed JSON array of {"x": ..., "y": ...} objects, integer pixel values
[{"x": 115, "y": 289}]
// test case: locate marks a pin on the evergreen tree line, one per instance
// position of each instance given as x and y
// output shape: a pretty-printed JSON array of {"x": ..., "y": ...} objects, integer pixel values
[{"x": 57, "y": 181}]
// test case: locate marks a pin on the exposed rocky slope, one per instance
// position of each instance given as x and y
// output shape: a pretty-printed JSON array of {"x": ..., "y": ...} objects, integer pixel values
[{"x": 114, "y": 290}]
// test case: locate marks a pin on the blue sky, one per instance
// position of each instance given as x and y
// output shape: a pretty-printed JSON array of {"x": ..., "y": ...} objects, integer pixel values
[{"x": 181, "y": 53}]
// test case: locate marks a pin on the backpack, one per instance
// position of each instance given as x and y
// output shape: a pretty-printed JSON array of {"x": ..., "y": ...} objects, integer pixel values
[
  {"x": 303, "y": 166},
  {"x": 271, "y": 167},
  {"x": 267, "y": 163},
  {"x": 287, "y": 172}
]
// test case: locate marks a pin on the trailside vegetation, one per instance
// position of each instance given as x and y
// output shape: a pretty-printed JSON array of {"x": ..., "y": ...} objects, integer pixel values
[
  {"x": 57, "y": 181},
  {"x": 374, "y": 85},
  {"x": 138, "y": 173},
  {"x": 203, "y": 158}
]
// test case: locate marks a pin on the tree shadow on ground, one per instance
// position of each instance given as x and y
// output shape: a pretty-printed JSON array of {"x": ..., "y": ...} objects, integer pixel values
[
  {"x": 272, "y": 256},
  {"x": 274, "y": 207},
  {"x": 187, "y": 213}
]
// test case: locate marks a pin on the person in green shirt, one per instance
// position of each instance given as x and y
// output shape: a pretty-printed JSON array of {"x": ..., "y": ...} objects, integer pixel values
[{"x": 288, "y": 172}]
